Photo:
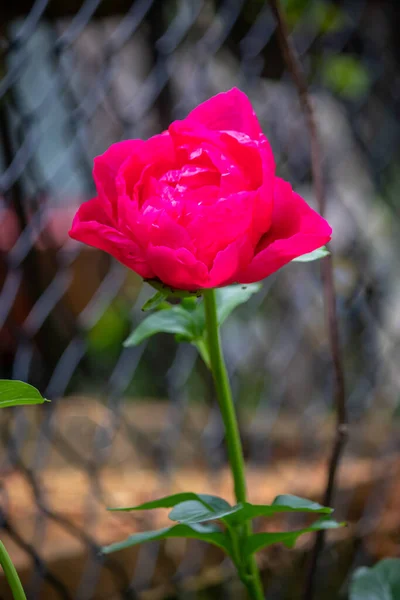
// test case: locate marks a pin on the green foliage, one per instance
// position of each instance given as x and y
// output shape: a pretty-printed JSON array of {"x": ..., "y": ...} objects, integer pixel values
[
  {"x": 175, "y": 320},
  {"x": 322, "y": 15},
  {"x": 290, "y": 503},
  {"x": 107, "y": 334},
  {"x": 381, "y": 582},
  {"x": 230, "y": 297},
  {"x": 11, "y": 574},
  {"x": 328, "y": 17},
  {"x": 15, "y": 393},
  {"x": 315, "y": 255},
  {"x": 258, "y": 541},
  {"x": 193, "y": 511},
  {"x": 187, "y": 320},
  {"x": 18, "y": 393},
  {"x": 197, "y": 515},
  {"x": 201, "y": 516},
  {"x": 174, "y": 499},
  {"x": 346, "y": 76},
  {"x": 154, "y": 301},
  {"x": 206, "y": 533},
  {"x": 280, "y": 504}
]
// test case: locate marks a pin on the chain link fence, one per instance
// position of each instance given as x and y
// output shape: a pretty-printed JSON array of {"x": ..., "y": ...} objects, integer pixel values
[{"x": 126, "y": 425}]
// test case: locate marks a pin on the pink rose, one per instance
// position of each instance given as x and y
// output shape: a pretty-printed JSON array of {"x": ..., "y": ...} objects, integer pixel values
[{"x": 199, "y": 206}]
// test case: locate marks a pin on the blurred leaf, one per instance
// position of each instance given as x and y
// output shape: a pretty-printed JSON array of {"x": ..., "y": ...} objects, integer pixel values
[
  {"x": 345, "y": 75},
  {"x": 179, "y": 337},
  {"x": 294, "y": 10},
  {"x": 280, "y": 504},
  {"x": 261, "y": 540},
  {"x": 169, "y": 501},
  {"x": 290, "y": 503},
  {"x": 206, "y": 533},
  {"x": 175, "y": 320},
  {"x": 11, "y": 574},
  {"x": 154, "y": 301},
  {"x": 228, "y": 298},
  {"x": 193, "y": 511},
  {"x": 164, "y": 305},
  {"x": 187, "y": 320},
  {"x": 328, "y": 17},
  {"x": 381, "y": 582},
  {"x": 18, "y": 393},
  {"x": 202, "y": 349},
  {"x": 108, "y": 333},
  {"x": 315, "y": 255},
  {"x": 324, "y": 16}
]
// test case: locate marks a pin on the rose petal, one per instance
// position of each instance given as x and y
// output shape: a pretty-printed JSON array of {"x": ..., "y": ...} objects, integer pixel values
[
  {"x": 259, "y": 172},
  {"x": 213, "y": 227},
  {"x": 296, "y": 230},
  {"x": 195, "y": 144},
  {"x": 177, "y": 268},
  {"x": 246, "y": 154},
  {"x": 264, "y": 198},
  {"x": 117, "y": 170},
  {"x": 228, "y": 110},
  {"x": 92, "y": 226},
  {"x": 230, "y": 261},
  {"x": 164, "y": 231},
  {"x": 106, "y": 167}
]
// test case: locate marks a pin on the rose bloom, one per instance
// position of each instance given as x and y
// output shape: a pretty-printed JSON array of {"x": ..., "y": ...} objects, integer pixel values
[{"x": 199, "y": 206}]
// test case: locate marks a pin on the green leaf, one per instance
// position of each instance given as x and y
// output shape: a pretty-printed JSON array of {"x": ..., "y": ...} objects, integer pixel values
[
  {"x": 280, "y": 504},
  {"x": 202, "y": 349},
  {"x": 18, "y": 393},
  {"x": 290, "y": 503},
  {"x": 206, "y": 533},
  {"x": 193, "y": 511},
  {"x": 346, "y": 75},
  {"x": 261, "y": 540},
  {"x": 328, "y": 17},
  {"x": 11, "y": 574},
  {"x": 175, "y": 320},
  {"x": 154, "y": 301},
  {"x": 187, "y": 320},
  {"x": 169, "y": 501},
  {"x": 381, "y": 582},
  {"x": 105, "y": 337},
  {"x": 315, "y": 255},
  {"x": 228, "y": 298}
]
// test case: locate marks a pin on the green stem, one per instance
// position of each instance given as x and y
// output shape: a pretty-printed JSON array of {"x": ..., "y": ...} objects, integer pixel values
[
  {"x": 234, "y": 445},
  {"x": 11, "y": 574}
]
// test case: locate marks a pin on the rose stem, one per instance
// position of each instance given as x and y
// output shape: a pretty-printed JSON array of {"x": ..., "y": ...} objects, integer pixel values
[{"x": 233, "y": 442}]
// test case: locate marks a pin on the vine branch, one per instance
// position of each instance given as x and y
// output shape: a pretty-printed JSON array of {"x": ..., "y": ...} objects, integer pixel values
[{"x": 299, "y": 79}]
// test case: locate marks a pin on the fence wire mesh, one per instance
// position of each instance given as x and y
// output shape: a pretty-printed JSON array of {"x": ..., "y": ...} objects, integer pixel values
[{"x": 127, "y": 424}]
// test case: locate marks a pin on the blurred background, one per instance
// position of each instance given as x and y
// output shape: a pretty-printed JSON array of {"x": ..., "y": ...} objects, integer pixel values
[{"x": 128, "y": 425}]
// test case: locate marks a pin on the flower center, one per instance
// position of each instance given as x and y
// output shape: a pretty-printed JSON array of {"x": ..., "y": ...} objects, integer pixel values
[{"x": 191, "y": 177}]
